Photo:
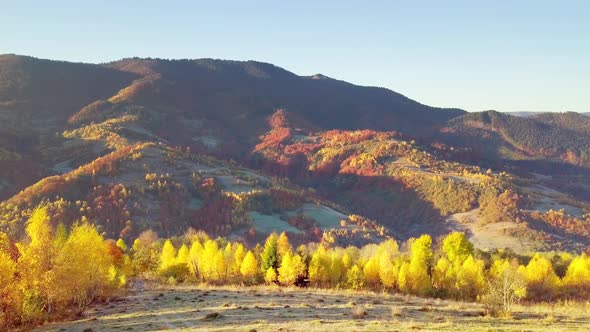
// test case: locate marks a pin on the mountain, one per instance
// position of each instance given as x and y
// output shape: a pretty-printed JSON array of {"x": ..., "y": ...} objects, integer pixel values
[
  {"x": 244, "y": 148},
  {"x": 561, "y": 137}
]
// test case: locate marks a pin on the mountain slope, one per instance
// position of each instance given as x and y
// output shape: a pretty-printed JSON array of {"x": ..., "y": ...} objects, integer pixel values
[
  {"x": 563, "y": 137},
  {"x": 241, "y": 149}
]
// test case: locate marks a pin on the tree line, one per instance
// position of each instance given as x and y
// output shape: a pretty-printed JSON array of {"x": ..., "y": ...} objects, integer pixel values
[{"x": 46, "y": 275}]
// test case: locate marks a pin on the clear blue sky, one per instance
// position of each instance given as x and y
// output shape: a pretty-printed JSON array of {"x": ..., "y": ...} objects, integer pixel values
[{"x": 477, "y": 55}]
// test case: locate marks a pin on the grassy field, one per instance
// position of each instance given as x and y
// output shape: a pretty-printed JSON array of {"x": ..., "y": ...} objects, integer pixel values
[{"x": 208, "y": 308}]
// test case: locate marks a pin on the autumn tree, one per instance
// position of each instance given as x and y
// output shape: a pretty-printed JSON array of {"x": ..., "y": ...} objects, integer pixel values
[
  {"x": 81, "y": 283},
  {"x": 283, "y": 245},
  {"x": 319, "y": 267},
  {"x": 292, "y": 266},
  {"x": 249, "y": 268},
  {"x": 577, "y": 277},
  {"x": 9, "y": 295},
  {"x": 542, "y": 282},
  {"x": 355, "y": 278},
  {"x": 506, "y": 286},
  {"x": 168, "y": 256},
  {"x": 414, "y": 275}
]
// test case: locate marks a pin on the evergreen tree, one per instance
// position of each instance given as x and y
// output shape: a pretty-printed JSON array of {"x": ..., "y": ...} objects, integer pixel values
[{"x": 269, "y": 256}]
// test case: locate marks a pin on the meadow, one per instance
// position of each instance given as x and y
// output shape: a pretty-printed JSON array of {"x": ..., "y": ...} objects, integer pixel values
[{"x": 157, "y": 307}]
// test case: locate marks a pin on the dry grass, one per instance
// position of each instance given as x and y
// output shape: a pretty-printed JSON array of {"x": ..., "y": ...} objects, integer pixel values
[{"x": 262, "y": 308}]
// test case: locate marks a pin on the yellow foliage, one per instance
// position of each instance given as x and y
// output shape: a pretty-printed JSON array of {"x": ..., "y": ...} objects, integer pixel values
[
  {"x": 249, "y": 268},
  {"x": 270, "y": 277}
]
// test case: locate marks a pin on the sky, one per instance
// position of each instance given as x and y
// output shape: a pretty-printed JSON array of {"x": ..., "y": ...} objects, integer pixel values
[{"x": 475, "y": 55}]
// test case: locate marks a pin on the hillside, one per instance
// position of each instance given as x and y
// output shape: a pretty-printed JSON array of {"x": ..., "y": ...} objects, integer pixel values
[
  {"x": 562, "y": 137},
  {"x": 241, "y": 149}
]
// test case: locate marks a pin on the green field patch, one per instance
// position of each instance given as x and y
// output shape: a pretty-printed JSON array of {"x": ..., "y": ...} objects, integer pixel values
[
  {"x": 325, "y": 217},
  {"x": 271, "y": 223}
]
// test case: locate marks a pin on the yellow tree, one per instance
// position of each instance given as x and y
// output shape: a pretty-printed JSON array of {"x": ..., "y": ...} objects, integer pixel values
[
  {"x": 9, "y": 296},
  {"x": 371, "y": 272},
  {"x": 283, "y": 245},
  {"x": 387, "y": 271},
  {"x": 249, "y": 268},
  {"x": 291, "y": 268},
  {"x": 35, "y": 265},
  {"x": 417, "y": 277},
  {"x": 239, "y": 254},
  {"x": 168, "y": 256},
  {"x": 336, "y": 271},
  {"x": 183, "y": 255},
  {"x": 457, "y": 247},
  {"x": 219, "y": 267},
  {"x": 206, "y": 261},
  {"x": 81, "y": 283},
  {"x": 270, "y": 277},
  {"x": 542, "y": 282},
  {"x": 386, "y": 254},
  {"x": 470, "y": 278},
  {"x": 446, "y": 276},
  {"x": 319, "y": 267},
  {"x": 355, "y": 278},
  {"x": 194, "y": 255},
  {"x": 577, "y": 277}
]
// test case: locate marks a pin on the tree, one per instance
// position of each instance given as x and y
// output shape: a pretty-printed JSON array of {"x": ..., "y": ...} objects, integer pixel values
[
  {"x": 371, "y": 272},
  {"x": 542, "y": 282},
  {"x": 283, "y": 245},
  {"x": 78, "y": 282},
  {"x": 470, "y": 278},
  {"x": 35, "y": 264},
  {"x": 239, "y": 254},
  {"x": 9, "y": 296},
  {"x": 506, "y": 286},
  {"x": 387, "y": 271},
  {"x": 417, "y": 280},
  {"x": 183, "y": 255},
  {"x": 291, "y": 268},
  {"x": 168, "y": 256},
  {"x": 249, "y": 268},
  {"x": 146, "y": 256},
  {"x": 206, "y": 261},
  {"x": 270, "y": 277},
  {"x": 355, "y": 278},
  {"x": 269, "y": 257},
  {"x": 319, "y": 267},
  {"x": 457, "y": 247},
  {"x": 194, "y": 259},
  {"x": 577, "y": 277}
]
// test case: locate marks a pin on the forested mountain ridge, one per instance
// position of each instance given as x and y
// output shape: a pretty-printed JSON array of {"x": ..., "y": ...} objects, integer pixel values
[
  {"x": 242, "y": 149},
  {"x": 550, "y": 136}
]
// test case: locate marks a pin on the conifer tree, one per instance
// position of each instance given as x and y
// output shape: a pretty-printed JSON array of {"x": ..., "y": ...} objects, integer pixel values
[{"x": 269, "y": 257}]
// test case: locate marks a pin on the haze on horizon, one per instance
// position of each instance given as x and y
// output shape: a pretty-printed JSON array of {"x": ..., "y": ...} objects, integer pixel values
[{"x": 529, "y": 56}]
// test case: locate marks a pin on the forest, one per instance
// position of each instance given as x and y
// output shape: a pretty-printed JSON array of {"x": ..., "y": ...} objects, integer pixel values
[{"x": 46, "y": 276}]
